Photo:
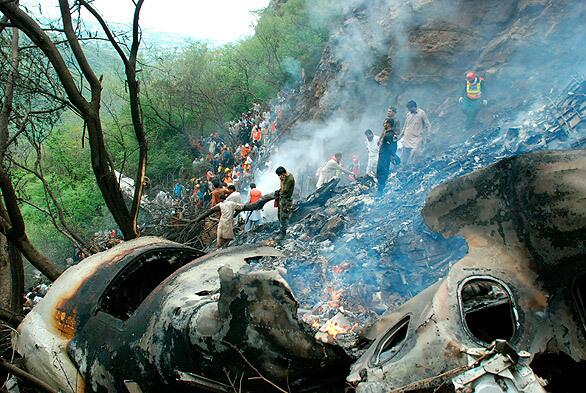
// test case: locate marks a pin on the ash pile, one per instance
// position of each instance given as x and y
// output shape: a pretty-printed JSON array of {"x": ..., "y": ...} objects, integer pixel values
[{"x": 350, "y": 257}]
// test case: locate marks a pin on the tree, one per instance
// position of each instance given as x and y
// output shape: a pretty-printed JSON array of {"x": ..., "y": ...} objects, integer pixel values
[
  {"x": 89, "y": 108},
  {"x": 13, "y": 239}
]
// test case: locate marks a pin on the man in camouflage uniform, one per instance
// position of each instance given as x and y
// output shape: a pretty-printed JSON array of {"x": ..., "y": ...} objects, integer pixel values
[{"x": 285, "y": 200}]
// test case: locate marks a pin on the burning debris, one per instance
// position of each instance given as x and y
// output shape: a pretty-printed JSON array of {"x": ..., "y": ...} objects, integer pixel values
[
  {"x": 151, "y": 313},
  {"x": 524, "y": 220},
  {"x": 154, "y": 314},
  {"x": 148, "y": 311},
  {"x": 338, "y": 253},
  {"x": 352, "y": 254}
]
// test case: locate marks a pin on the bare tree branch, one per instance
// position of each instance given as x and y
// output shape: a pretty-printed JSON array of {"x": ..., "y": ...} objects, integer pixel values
[
  {"x": 102, "y": 163},
  {"x": 106, "y": 30},
  {"x": 21, "y": 129},
  {"x": 23, "y": 375},
  {"x": 75, "y": 46}
]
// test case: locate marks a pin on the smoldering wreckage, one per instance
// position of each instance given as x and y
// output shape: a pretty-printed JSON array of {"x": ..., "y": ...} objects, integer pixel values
[
  {"x": 475, "y": 262},
  {"x": 496, "y": 258},
  {"x": 500, "y": 304},
  {"x": 153, "y": 315}
]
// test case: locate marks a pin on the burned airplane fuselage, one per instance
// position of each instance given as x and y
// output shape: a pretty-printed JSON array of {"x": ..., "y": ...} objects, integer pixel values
[
  {"x": 523, "y": 279},
  {"x": 147, "y": 312}
]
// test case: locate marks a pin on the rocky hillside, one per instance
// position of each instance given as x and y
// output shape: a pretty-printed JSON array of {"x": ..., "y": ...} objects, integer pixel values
[{"x": 388, "y": 52}]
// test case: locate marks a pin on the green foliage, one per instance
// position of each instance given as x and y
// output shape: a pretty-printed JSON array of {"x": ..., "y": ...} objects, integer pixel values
[
  {"x": 197, "y": 90},
  {"x": 68, "y": 171},
  {"x": 166, "y": 158},
  {"x": 186, "y": 94}
]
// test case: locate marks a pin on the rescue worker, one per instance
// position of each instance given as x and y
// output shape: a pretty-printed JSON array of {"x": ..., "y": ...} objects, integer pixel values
[
  {"x": 178, "y": 189},
  {"x": 372, "y": 149},
  {"x": 219, "y": 193},
  {"x": 234, "y": 195},
  {"x": 254, "y": 217},
  {"x": 473, "y": 98},
  {"x": 244, "y": 151},
  {"x": 284, "y": 200},
  {"x": 256, "y": 134},
  {"x": 331, "y": 170},
  {"x": 387, "y": 144},
  {"x": 225, "y": 230},
  {"x": 416, "y": 128},
  {"x": 355, "y": 168},
  {"x": 228, "y": 176}
]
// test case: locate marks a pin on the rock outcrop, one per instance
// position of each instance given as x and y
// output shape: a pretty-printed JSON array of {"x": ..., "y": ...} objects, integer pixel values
[{"x": 388, "y": 52}]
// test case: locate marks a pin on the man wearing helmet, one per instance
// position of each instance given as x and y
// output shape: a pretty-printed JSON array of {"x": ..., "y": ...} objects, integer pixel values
[{"x": 474, "y": 96}]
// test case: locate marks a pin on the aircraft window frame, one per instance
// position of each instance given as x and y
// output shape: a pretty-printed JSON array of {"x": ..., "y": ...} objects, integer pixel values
[
  {"x": 513, "y": 306},
  {"x": 404, "y": 322},
  {"x": 137, "y": 265}
]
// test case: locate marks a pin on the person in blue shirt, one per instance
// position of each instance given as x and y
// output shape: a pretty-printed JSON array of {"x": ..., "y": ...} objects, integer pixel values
[{"x": 178, "y": 189}]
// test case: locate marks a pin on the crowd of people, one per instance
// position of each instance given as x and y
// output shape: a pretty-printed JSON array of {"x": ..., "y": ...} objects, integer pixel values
[
  {"x": 397, "y": 144},
  {"x": 402, "y": 145},
  {"x": 232, "y": 160},
  {"x": 227, "y": 165}
]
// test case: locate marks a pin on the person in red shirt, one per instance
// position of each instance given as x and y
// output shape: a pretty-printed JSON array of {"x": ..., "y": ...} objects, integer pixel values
[
  {"x": 354, "y": 168},
  {"x": 245, "y": 150},
  {"x": 256, "y": 134},
  {"x": 219, "y": 193}
]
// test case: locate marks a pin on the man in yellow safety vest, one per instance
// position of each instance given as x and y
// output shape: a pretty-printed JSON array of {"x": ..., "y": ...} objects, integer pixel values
[{"x": 474, "y": 96}]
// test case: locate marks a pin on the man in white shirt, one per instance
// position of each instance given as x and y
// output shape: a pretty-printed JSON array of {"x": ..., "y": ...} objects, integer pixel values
[
  {"x": 416, "y": 124},
  {"x": 225, "y": 230},
  {"x": 331, "y": 169},
  {"x": 372, "y": 148},
  {"x": 234, "y": 195}
]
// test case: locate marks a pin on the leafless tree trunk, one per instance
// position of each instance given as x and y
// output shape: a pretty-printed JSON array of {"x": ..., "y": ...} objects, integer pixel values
[
  {"x": 11, "y": 276},
  {"x": 89, "y": 109},
  {"x": 11, "y": 222},
  {"x": 130, "y": 63}
]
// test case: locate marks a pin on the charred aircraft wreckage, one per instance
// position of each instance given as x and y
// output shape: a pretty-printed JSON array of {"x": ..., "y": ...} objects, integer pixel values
[{"x": 150, "y": 315}]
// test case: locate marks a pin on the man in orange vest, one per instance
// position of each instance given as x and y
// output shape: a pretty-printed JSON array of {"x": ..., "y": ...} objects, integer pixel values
[
  {"x": 244, "y": 151},
  {"x": 474, "y": 96},
  {"x": 254, "y": 217}
]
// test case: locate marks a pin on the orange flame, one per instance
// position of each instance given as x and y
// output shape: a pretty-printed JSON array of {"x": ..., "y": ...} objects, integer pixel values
[
  {"x": 335, "y": 296},
  {"x": 333, "y": 328}
]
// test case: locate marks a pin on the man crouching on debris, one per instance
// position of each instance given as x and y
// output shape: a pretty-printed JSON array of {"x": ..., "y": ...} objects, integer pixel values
[{"x": 284, "y": 200}]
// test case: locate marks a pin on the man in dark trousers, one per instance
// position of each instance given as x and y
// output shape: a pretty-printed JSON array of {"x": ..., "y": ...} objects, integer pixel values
[
  {"x": 473, "y": 98},
  {"x": 388, "y": 148},
  {"x": 285, "y": 200}
]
